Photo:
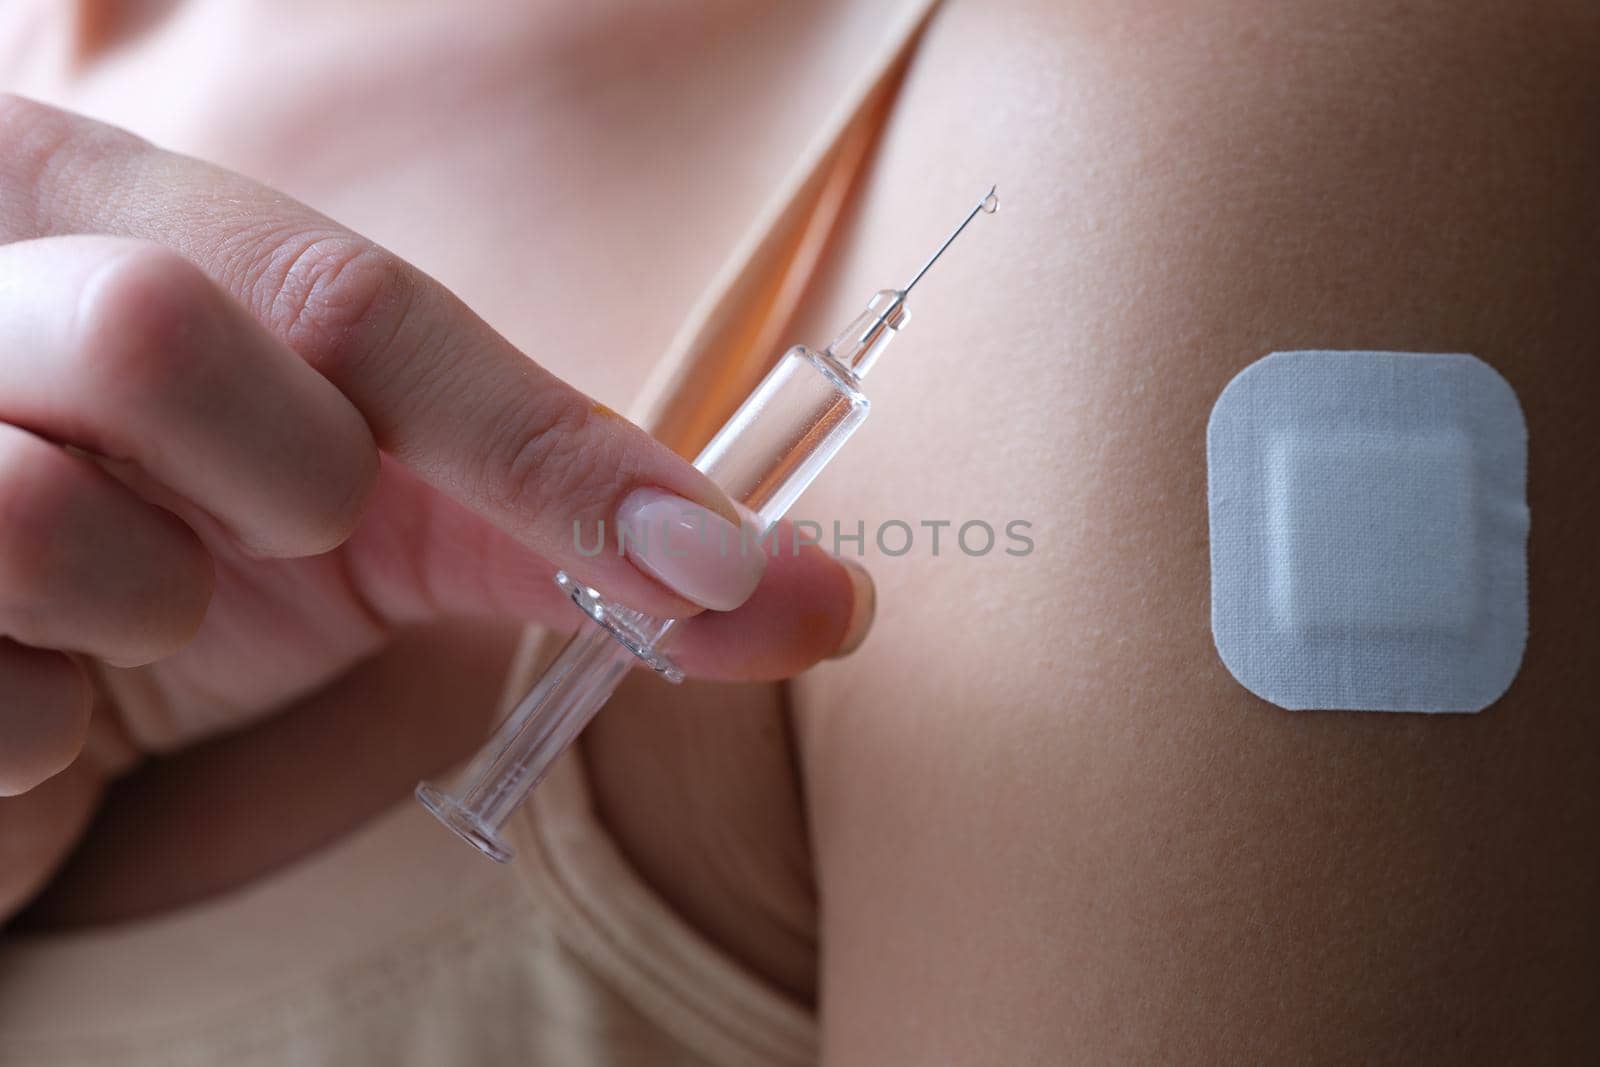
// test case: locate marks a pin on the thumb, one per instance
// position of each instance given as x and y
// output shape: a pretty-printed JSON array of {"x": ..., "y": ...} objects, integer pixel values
[{"x": 422, "y": 556}]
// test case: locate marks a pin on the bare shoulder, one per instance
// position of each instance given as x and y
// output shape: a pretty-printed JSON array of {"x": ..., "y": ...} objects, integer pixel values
[{"x": 1048, "y": 824}]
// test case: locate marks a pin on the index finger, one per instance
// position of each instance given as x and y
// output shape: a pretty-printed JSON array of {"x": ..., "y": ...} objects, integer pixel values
[{"x": 442, "y": 391}]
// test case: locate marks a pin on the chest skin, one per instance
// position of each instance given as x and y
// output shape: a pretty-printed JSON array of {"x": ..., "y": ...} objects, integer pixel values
[{"x": 577, "y": 174}]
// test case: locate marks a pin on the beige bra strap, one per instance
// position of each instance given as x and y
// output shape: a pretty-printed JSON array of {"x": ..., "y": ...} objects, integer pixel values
[
  {"x": 734, "y": 333},
  {"x": 731, "y": 337},
  {"x": 601, "y": 908}
]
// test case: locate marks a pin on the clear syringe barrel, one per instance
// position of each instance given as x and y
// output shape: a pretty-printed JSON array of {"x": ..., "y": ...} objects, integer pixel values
[{"x": 773, "y": 447}]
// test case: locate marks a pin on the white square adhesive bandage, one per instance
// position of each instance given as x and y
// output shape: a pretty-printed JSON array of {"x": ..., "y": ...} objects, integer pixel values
[{"x": 1369, "y": 528}]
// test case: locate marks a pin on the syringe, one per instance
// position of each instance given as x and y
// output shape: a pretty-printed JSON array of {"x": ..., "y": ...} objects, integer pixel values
[{"x": 766, "y": 455}]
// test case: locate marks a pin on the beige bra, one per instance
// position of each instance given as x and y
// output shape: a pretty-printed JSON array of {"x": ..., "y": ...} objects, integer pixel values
[{"x": 398, "y": 945}]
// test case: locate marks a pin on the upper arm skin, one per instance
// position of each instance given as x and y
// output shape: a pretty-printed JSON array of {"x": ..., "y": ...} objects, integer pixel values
[{"x": 1049, "y": 825}]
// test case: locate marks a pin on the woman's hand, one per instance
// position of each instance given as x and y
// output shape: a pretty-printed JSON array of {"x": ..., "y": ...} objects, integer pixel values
[{"x": 197, "y": 379}]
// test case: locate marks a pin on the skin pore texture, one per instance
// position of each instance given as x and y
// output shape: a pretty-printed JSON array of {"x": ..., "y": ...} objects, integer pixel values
[{"x": 1033, "y": 819}]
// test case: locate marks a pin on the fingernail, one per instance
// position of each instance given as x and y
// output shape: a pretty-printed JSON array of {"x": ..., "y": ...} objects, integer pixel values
[
  {"x": 862, "y": 609},
  {"x": 692, "y": 550}
]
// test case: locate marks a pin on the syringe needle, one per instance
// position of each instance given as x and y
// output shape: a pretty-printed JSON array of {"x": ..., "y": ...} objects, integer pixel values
[{"x": 987, "y": 205}]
